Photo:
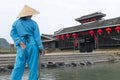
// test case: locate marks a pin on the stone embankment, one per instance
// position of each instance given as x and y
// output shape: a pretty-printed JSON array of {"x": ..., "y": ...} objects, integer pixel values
[
  {"x": 75, "y": 59},
  {"x": 6, "y": 62},
  {"x": 60, "y": 60}
]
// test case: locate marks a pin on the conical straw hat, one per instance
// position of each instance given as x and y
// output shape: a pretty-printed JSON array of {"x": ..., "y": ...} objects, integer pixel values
[{"x": 27, "y": 11}]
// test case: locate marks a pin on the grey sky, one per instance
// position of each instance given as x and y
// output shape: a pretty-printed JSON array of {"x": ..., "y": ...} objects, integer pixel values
[{"x": 54, "y": 14}]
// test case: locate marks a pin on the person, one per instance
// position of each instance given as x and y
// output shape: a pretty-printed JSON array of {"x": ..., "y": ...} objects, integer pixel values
[{"x": 27, "y": 40}]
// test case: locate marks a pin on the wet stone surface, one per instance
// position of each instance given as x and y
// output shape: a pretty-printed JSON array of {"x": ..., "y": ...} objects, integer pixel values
[{"x": 101, "y": 71}]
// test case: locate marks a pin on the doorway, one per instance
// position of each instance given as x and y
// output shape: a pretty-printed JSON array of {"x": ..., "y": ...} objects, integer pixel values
[{"x": 86, "y": 43}]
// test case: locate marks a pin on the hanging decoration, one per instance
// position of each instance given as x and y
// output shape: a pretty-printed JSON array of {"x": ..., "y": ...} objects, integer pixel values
[
  {"x": 62, "y": 36},
  {"x": 108, "y": 30},
  {"x": 99, "y": 31},
  {"x": 117, "y": 29},
  {"x": 74, "y": 35},
  {"x": 76, "y": 43},
  {"x": 67, "y": 36},
  {"x": 58, "y": 37},
  {"x": 91, "y": 32}
]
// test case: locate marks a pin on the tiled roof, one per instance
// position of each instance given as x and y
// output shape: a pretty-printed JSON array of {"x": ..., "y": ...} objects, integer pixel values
[
  {"x": 50, "y": 37},
  {"x": 91, "y": 25},
  {"x": 90, "y": 16}
]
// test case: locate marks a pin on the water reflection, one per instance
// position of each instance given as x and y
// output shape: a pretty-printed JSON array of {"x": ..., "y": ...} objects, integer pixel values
[{"x": 100, "y": 71}]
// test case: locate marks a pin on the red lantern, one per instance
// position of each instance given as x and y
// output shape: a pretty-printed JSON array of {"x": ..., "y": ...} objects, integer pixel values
[
  {"x": 62, "y": 36},
  {"x": 108, "y": 30},
  {"x": 76, "y": 43},
  {"x": 99, "y": 31},
  {"x": 91, "y": 32},
  {"x": 74, "y": 35},
  {"x": 94, "y": 19},
  {"x": 67, "y": 36},
  {"x": 57, "y": 37},
  {"x": 117, "y": 29}
]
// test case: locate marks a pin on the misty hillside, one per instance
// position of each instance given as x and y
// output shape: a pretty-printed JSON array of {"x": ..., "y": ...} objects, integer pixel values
[{"x": 4, "y": 44}]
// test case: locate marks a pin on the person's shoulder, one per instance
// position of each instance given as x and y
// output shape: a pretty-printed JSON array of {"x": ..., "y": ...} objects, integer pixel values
[
  {"x": 16, "y": 21},
  {"x": 33, "y": 21}
]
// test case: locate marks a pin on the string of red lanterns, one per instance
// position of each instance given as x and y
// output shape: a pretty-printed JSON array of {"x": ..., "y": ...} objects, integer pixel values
[
  {"x": 76, "y": 42},
  {"x": 58, "y": 37},
  {"x": 91, "y": 32},
  {"x": 62, "y": 36},
  {"x": 108, "y": 30},
  {"x": 117, "y": 29},
  {"x": 67, "y": 36},
  {"x": 74, "y": 35},
  {"x": 99, "y": 31}
]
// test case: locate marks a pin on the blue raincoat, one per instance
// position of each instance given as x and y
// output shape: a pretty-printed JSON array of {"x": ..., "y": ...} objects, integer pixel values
[{"x": 26, "y": 31}]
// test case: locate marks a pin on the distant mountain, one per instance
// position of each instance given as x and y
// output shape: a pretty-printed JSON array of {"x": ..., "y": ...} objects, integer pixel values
[{"x": 4, "y": 44}]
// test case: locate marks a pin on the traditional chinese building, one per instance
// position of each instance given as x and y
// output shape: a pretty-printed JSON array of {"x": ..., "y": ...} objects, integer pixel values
[
  {"x": 94, "y": 32},
  {"x": 49, "y": 42}
]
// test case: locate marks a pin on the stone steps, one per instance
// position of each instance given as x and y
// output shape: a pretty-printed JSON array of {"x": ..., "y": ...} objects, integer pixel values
[
  {"x": 67, "y": 58},
  {"x": 77, "y": 58}
]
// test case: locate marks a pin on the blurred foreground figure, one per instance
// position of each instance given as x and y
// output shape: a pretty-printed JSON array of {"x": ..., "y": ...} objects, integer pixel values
[{"x": 26, "y": 37}]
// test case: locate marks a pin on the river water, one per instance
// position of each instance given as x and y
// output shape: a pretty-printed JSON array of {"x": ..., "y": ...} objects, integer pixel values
[{"x": 101, "y": 71}]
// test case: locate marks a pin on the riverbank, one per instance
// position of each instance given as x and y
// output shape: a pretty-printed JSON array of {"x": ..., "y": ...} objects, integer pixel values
[{"x": 63, "y": 59}]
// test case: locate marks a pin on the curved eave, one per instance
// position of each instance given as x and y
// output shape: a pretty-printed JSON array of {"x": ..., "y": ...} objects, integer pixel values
[
  {"x": 48, "y": 40},
  {"x": 91, "y": 25},
  {"x": 88, "y": 29}
]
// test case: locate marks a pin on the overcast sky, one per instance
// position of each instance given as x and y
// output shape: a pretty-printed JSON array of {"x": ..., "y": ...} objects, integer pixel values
[{"x": 54, "y": 14}]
